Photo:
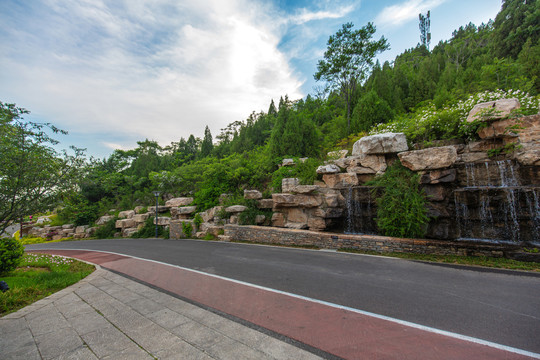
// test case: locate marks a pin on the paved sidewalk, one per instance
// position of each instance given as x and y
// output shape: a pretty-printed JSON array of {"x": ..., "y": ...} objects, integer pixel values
[{"x": 107, "y": 316}]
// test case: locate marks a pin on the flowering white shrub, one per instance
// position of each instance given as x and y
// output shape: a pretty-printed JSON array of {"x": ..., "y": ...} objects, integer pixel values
[{"x": 429, "y": 123}]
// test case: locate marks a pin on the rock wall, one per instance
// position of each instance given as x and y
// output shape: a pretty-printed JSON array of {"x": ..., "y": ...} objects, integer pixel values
[
  {"x": 325, "y": 240},
  {"x": 488, "y": 189}
]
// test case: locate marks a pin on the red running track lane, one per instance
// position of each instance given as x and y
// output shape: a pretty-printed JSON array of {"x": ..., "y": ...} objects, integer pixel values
[{"x": 335, "y": 330}]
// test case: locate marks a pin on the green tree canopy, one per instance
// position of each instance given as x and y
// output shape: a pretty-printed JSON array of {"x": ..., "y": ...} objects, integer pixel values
[
  {"x": 207, "y": 145},
  {"x": 348, "y": 59},
  {"x": 33, "y": 175}
]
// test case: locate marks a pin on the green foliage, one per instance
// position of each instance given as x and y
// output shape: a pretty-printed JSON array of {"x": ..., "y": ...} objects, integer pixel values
[
  {"x": 197, "y": 221},
  {"x": 427, "y": 123},
  {"x": 79, "y": 211},
  {"x": 293, "y": 134},
  {"x": 149, "y": 230},
  {"x": 370, "y": 110},
  {"x": 304, "y": 170},
  {"x": 347, "y": 60},
  {"x": 207, "y": 145},
  {"x": 248, "y": 217},
  {"x": 42, "y": 276},
  {"x": 11, "y": 252},
  {"x": 506, "y": 149},
  {"x": 187, "y": 229},
  {"x": 33, "y": 175},
  {"x": 401, "y": 208},
  {"x": 514, "y": 25},
  {"x": 107, "y": 230}
]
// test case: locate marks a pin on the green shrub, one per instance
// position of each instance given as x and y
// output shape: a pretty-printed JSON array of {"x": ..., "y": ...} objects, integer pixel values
[
  {"x": 249, "y": 216},
  {"x": 197, "y": 220},
  {"x": 187, "y": 229},
  {"x": 305, "y": 171},
  {"x": 107, "y": 230},
  {"x": 11, "y": 252},
  {"x": 401, "y": 208},
  {"x": 430, "y": 121},
  {"x": 209, "y": 237},
  {"x": 149, "y": 230}
]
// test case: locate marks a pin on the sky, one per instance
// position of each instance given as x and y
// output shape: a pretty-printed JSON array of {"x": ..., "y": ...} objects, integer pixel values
[{"x": 114, "y": 72}]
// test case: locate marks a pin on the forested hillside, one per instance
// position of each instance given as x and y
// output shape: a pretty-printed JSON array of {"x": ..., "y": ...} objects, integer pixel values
[{"x": 424, "y": 92}]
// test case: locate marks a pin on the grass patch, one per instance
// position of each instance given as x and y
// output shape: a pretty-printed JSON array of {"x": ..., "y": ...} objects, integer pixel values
[
  {"x": 39, "y": 276},
  {"x": 500, "y": 263}
]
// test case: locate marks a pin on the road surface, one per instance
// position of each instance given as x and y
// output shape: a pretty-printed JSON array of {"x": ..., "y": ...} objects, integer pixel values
[{"x": 498, "y": 306}]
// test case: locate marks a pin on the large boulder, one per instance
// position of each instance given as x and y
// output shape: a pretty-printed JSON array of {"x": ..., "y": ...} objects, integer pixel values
[
  {"x": 252, "y": 194},
  {"x": 438, "y": 176},
  {"x": 338, "y": 154},
  {"x": 176, "y": 229},
  {"x": 104, "y": 219},
  {"x": 316, "y": 224},
  {"x": 377, "y": 163},
  {"x": 186, "y": 210},
  {"x": 493, "y": 110},
  {"x": 160, "y": 209},
  {"x": 81, "y": 229},
  {"x": 236, "y": 209},
  {"x": 125, "y": 223},
  {"x": 287, "y": 162},
  {"x": 297, "y": 215},
  {"x": 288, "y": 184},
  {"x": 340, "y": 181},
  {"x": 328, "y": 169},
  {"x": 290, "y": 200},
  {"x": 429, "y": 159},
  {"x": 265, "y": 204},
  {"x": 140, "y": 218},
  {"x": 127, "y": 214},
  {"x": 498, "y": 129},
  {"x": 180, "y": 201},
  {"x": 304, "y": 189},
  {"x": 387, "y": 143},
  {"x": 162, "y": 220}
]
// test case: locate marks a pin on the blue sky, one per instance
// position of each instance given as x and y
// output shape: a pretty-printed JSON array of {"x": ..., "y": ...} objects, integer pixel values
[{"x": 114, "y": 72}]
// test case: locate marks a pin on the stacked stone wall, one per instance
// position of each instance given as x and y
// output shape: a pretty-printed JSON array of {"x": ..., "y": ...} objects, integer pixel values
[{"x": 379, "y": 244}]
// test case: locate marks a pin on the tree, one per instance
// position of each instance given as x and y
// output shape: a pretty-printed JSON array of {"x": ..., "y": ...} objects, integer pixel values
[
  {"x": 33, "y": 176},
  {"x": 348, "y": 59},
  {"x": 207, "y": 145},
  {"x": 369, "y": 111},
  {"x": 425, "y": 35},
  {"x": 517, "y": 22}
]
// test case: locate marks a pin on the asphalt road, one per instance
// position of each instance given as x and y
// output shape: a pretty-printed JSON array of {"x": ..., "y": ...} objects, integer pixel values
[{"x": 498, "y": 306}]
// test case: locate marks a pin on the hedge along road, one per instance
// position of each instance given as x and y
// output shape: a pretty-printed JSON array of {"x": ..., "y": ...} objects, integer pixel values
[{"x": 494, "y": 305}]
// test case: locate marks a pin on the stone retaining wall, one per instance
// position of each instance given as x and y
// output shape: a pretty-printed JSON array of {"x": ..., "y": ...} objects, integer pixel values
[{"x": 272, "y": 235}]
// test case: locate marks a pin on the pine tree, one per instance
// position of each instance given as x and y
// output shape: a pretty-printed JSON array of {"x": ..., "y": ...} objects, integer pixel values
[{"x": 206, "y": 145}]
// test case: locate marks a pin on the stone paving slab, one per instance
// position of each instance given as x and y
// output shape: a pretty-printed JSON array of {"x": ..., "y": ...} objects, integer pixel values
[{"x": 108, "y": 316}]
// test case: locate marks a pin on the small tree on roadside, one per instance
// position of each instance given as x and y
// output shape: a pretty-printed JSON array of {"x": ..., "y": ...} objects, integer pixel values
[
  {"x": 33, "y": 176},
  {"x": 348, "y": 59}
]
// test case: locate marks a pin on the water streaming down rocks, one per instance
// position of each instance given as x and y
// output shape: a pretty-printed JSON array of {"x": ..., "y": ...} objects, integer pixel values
[
  {"x": 495, "y": 206},
  {"x": 359, "y": 216}
]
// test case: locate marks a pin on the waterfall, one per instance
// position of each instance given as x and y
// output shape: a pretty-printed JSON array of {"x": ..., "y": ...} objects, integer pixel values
[
  {"x": 358, "y": 211},
  {"x": 349, "y": 227},
  {"x": 493, "y": 206},
  {"x": 486, "y": 215},
  {"x": 531, "y": 198}
]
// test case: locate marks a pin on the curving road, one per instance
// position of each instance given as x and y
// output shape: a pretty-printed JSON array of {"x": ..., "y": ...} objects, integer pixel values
[{"x": 497, "y": 306}]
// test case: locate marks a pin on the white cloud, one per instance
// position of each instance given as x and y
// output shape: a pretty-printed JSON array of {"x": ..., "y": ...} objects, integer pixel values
[
  {"x": 396, "y": 15},
  {"x": 305, "y": 15},
  {"x": 157, "y": 70}
]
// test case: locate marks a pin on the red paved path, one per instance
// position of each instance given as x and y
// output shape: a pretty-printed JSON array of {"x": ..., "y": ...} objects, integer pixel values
[{"x": 341, "y": 332}]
